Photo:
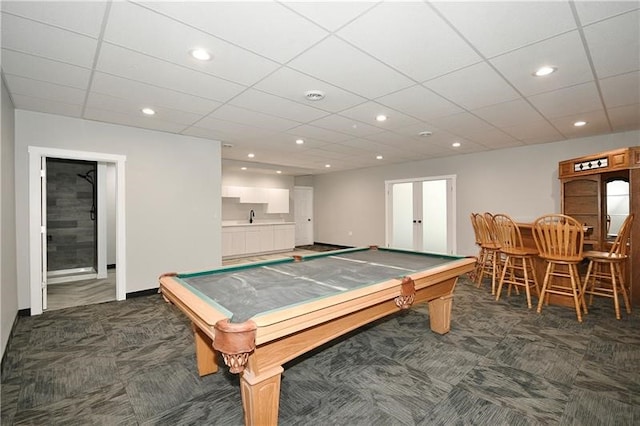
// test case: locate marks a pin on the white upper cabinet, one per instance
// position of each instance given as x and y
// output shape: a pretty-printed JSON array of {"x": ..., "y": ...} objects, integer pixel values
[{"x": 276, "y": 199}]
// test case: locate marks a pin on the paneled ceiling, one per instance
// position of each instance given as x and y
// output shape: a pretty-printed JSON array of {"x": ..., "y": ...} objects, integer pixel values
[{"x": 460, "y": 71}]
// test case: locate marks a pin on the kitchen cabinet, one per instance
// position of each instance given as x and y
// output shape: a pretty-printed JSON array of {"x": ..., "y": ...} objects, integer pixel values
[
  {"x": 276, "y": 199},
  {"x": 249, "y": 239}
]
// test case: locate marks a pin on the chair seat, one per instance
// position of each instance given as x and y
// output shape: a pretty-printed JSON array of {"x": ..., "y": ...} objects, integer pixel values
[
  {"x": 520, "y": 252},
  {"x": 605, "y": 256},
  {"x": 563, "y": 259},
  {"x": 491, "y": 246}
]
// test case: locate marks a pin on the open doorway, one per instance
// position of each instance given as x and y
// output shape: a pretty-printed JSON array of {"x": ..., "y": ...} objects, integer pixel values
[
  {"x": 79, "y": 258},
  {"x": 80, "y": 201}
]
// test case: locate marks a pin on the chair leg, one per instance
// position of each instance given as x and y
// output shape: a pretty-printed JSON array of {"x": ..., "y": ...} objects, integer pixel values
[
  {"x": 623, "y": 287},
  {"x": 616, "y": 303},
  {"x": 502, "y": 276},
  {"x": 578, "y": 301},
  {"x": 545, "y": 283},
  {"x": 526, "y": 281}
]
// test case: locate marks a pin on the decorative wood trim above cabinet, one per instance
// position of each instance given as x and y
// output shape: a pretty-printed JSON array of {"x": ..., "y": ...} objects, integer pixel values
[{"x": 619, "y": 159}]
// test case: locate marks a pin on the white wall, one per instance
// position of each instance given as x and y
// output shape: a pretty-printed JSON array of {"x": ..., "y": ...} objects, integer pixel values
[
  {"x": 522, "y": 182},
  {"x": 172, "y": 193},
  {"x": 111, "y": 213},
  {"x": 232, "y": 175},
  {"x": 8, "y": 274}
]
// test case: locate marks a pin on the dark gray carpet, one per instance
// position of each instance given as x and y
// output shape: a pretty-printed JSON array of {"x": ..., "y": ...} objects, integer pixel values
[{"x": 132, "y": 363}]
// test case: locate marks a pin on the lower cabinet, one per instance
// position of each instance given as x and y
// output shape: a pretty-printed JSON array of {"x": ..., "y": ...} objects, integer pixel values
[{"x": 254, "y": 239}]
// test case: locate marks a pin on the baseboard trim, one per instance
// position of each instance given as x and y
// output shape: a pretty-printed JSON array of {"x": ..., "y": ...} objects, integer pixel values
[{"x": 143, "y": 293}]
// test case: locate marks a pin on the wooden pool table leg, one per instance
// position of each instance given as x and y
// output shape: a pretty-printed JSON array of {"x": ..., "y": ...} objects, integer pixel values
[
  {"x": 261, "y": 396},
  {"x": 440, "y": 314},
  {"x": 205, "y": 355}
]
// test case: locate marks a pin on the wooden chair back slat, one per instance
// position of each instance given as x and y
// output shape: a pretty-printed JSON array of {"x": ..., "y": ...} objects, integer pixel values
[
  {"x": 620, "y": 246},
  {"x": 507, "y": 233},
  {"x": 559, "y": 237}
]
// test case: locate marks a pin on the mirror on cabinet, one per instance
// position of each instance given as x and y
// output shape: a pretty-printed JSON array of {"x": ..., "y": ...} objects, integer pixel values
[{"x": 617, "y": 205}]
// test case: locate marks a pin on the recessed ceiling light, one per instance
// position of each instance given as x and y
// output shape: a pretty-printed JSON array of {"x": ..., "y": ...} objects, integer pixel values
[
  {"x": 425, "y": 133},
  {"x": 148, "y": 111},
  {"x": 381, "y": 117},
  {"x": 327, "y": 165},
  {"x": 314, "y": 95},
  {"x": 279, "y": 171},
  {"x": 580, "y": 123},
  {"x": 546, "y": 70},
  {"x": 251, "y": 155},
  {"x": 299, "y": 141},
  {"x": 201, "y": 54},
  {"x": 243, "y": 168},
  {"x": 455, "y": 144},
  {"x": 378, "y": 157}
]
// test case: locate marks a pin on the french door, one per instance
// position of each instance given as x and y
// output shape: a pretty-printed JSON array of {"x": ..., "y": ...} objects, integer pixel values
[{"x": 421, "y": 214}]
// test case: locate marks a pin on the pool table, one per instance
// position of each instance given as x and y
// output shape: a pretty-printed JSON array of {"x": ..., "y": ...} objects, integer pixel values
[{"x": 261, "y": 315}]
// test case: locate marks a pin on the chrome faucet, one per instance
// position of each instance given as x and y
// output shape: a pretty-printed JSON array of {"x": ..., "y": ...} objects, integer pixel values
[{"x": 252, "y": 214}]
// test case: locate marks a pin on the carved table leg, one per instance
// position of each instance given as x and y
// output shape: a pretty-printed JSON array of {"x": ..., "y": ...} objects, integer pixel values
[
  {"x": 205, "y": 355},
  {"x": 261, "y": 397},
  {"x": 440, "y": 314}
]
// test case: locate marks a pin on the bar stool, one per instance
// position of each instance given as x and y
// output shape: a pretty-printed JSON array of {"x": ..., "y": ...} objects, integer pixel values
[
  {"x": 517, "y": 268},
  {"x": 489, "y": 262},
  {"x": 606, "y": 272},
  {"x": 559, "y": 239}
]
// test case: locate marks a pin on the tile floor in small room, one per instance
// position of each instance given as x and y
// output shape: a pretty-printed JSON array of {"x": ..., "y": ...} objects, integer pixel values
[{"x": 133, "y": 363}]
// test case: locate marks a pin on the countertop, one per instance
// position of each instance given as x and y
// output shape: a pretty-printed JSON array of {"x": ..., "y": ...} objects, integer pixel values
[{"x": 230, "y": 223}]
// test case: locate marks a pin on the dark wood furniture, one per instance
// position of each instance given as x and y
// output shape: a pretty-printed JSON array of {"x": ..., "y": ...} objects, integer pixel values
[{"x": 584, "y": 197}]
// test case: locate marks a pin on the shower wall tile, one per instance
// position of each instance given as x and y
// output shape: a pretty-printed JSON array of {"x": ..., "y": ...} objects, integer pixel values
[{"x": 71, "y": 233}]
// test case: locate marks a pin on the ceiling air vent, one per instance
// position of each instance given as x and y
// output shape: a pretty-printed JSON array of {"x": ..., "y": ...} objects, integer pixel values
[{"x": 314, "y": 95}]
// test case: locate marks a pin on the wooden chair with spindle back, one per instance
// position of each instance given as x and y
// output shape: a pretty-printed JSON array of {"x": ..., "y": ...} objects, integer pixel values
[
  {"x": 606, "y": 271},
  {"x": 489, "y": 262},
  {"x": 559, "y": 239},
  {"x": 517, "y": 267}
]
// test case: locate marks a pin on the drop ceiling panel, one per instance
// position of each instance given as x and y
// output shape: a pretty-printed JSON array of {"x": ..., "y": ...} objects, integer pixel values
[
  {"x": 280, "y": 107},
  {"x": 330, "y": 15},
  {"x": 30, "y": 103},
  {"x": 420, "y": 103},
  {"x": 84, "y": 17},
  {"x": 360, "y": 72},
  {"x": 565, "y": 52},
  {"x": 568, "y": 101},
  {"x": 314, "y": 132},
  {"x": 27, "y": 36},
  {"x": 346, "y": 125},
  {"x": 473, "y": 87},
  {"x": 252, "y": 118},
  {"x": 44, "y": 90},
  {"x": 625, "y": 118},
  {"x": 368, "y": 112},
  {"x": 463, "y": 124},
  {"x": 496, "y": 139},
  {"x": 151, "y": 96},
  {"x": 266, "y": 28},
  {"x": 235, "y": 131},
  {"x": 411, "y": 38},
  {"x": 131, "y": 106},
  {"x": 508, "y": 113},
  {"x": 293, "y": 85},
  {"x": 615, "y": 44},
  {"x": 534, "y": 132},
  {"x": 132, "y": 120},
  {"x": 136, "y": 66},
  {"x": 176, "y": 39},
  {"x": 42, "y": 69},
  {"x": 597, "y": 123},
  {"x": 621, "y": 90},
  {"x": 497, "y": 27},
  {"x": 590, "y": 11}
]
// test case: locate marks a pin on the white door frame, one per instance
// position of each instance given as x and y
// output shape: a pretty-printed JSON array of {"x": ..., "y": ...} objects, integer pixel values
[
  {"x": 36, "y": 154},
  {"x": 309, "y": 220},
  {"x": 451, "y": 208}
]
